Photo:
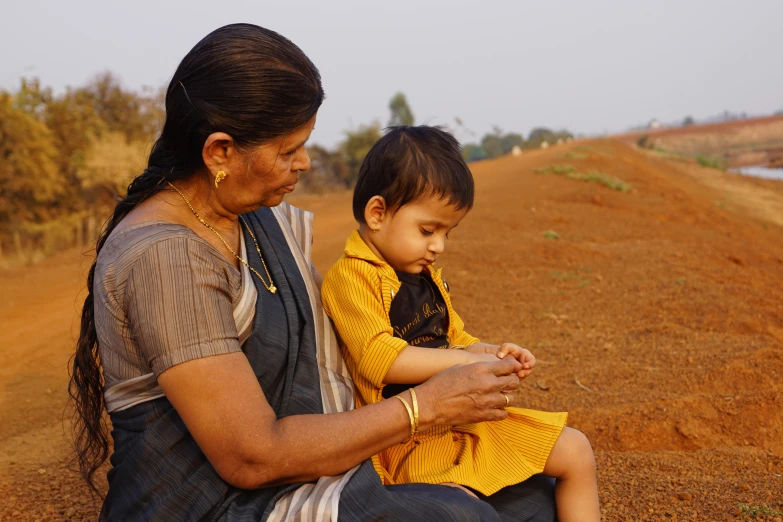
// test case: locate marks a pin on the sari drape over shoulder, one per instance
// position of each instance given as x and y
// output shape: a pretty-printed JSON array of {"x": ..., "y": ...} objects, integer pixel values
[{"x": 160, "y": 473}]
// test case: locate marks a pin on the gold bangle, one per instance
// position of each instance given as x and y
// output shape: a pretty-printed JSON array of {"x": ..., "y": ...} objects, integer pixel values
[
  {"x": 410, "y": 416},
  {"x": 415, "y": 412}
]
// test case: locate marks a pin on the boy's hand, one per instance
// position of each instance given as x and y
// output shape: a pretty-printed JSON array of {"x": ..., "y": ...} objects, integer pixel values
[
  {"x": 486, "y": 354},
  {"x": 523, "y": 355}
]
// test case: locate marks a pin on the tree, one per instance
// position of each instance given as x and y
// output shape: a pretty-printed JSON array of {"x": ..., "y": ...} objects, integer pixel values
[
  {"x": 137, "y": 115},
  {"x": 497, "y": 143},
  {"x": 33, "y": 99},
  {"x": 459, "y": 130},
  {"x": 473, "y": 152},
  {"x": 539, "y": 135},
  {"x": 511, "y": 140},
  {"x": 28, "y": 169},
  {"x": 401, "y": 113},
  {"x": 688, "y": 121},
  {"x": 109, "y": 166},
  {"x": 355, "y": 147},
  {"x": 76, "y": 129},
  {"x": 327, "y": 169},
  {"x": 492, "y": 145}
]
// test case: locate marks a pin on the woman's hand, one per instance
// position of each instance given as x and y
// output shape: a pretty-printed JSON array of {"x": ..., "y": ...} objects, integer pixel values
[
  {"x": 467, "y": 394},
  {"x": 482, "y": 352}
]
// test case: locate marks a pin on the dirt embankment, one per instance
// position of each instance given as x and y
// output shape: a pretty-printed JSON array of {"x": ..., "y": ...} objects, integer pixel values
[
  {"x": 656, "y": 316},
  {"x": 754, "y": 141}
]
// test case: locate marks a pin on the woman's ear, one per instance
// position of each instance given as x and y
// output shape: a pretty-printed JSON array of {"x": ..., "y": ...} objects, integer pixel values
[
  {"x": 219, "y": 149},
  {"x": 375, "y": 212}
]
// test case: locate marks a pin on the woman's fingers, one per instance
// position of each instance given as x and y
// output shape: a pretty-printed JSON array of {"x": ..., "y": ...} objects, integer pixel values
[
  {"x": 496, "y": 414},
  {"x": 505, "y": 366},
  {"x": 509, "y": 382},
  {"x": 504, "y": 375}
]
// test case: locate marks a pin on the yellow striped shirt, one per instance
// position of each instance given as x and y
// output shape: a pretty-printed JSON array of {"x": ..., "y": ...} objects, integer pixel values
[{"x": 357, "y": 293}]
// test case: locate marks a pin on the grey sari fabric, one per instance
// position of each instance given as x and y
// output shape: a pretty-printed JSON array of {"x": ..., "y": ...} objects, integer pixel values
[{"x": 160, "y": 474}]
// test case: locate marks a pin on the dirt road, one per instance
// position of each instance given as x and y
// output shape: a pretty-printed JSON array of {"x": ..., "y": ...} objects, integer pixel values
[{"x": 656, "y": 315}]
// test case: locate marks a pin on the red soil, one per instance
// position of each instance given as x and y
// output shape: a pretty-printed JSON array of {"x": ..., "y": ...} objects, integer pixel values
[{"x": 657, "y": 320}]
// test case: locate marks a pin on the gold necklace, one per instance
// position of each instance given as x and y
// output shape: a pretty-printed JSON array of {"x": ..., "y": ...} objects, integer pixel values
[{"x": 271, "y": 286}]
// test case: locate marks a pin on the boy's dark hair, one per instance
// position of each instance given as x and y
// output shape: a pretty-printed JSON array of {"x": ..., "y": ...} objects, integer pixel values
[{"x": 409, "y": 163}]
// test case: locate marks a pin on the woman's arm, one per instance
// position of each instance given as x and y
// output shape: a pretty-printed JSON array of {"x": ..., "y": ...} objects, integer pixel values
[{"x": 225, "y": 410}]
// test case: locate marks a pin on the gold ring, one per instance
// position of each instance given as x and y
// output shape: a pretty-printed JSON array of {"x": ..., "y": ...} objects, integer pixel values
[{"x": 507, "y": 400}]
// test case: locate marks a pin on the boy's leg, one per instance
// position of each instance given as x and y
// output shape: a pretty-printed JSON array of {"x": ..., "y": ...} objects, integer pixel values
[{"x": 572, "y": 462}]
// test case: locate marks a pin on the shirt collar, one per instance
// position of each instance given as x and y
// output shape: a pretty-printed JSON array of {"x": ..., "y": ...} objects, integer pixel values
[{"x": 356, "y": 247}]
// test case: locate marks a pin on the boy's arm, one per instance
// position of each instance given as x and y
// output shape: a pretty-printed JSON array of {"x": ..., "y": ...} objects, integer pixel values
[
  {"x": 415, "y": 365},
  {"x": 351, "y": 296},
  {"x": 481, "y": 348}
]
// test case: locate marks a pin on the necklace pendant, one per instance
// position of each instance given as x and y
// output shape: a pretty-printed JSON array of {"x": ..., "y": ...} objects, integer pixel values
[{"x": 273, "y": 289}]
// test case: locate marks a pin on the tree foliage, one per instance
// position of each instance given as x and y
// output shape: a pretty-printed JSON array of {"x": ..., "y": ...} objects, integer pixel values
[
  {"x": 64, "y": 156},
  {"x": 540, "y": 135},
  {"x": 401, "y": 113},
  {"x": 356, "y": 145},
  {"x": 70, "y": 152},
  {"x": 29, "y": 183},
  {"x": 328, "y": 169},
  {"x": 498, "y": 143}
]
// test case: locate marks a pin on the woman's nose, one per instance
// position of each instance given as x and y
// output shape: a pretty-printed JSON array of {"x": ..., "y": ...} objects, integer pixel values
[{"x": 301, "y": 161}]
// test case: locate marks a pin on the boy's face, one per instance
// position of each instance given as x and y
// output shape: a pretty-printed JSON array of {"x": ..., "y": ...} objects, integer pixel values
[{"x": 415, "y": 235}]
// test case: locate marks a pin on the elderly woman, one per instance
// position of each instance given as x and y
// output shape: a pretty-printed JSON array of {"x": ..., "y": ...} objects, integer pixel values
[{"x": 204, "y": 339}]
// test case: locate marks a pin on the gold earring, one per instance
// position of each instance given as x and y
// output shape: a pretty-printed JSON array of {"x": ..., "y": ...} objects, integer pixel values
[{"x": 221, "y": 174}]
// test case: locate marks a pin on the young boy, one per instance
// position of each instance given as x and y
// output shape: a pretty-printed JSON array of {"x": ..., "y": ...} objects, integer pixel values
[{"x": 393, "y": 312}]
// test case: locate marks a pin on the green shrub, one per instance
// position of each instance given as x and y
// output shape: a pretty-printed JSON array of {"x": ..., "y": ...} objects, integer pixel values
[
  {"x": 711, "y": 163},
  {"x": 556, "y": 169},
  {"x": 754, "y": 511},
  {"x": 592, "y": 176},
  {"x": 606, "y": 180}
]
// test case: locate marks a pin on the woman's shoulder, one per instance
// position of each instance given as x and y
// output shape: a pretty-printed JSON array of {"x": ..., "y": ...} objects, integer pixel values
[{"x": 128, "y": 245}]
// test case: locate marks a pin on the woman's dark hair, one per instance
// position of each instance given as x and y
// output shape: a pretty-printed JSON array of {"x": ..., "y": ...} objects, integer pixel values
[
  {"x": 409, "y": 163},
  {"x": 241, "y": 79}
]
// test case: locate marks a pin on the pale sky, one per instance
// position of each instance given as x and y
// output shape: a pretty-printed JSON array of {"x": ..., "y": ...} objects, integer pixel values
[{"x": 588, "y": 66}]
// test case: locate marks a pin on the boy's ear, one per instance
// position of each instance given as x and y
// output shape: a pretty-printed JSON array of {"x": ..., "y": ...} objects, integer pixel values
[{"x": 375, "y": 212}]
